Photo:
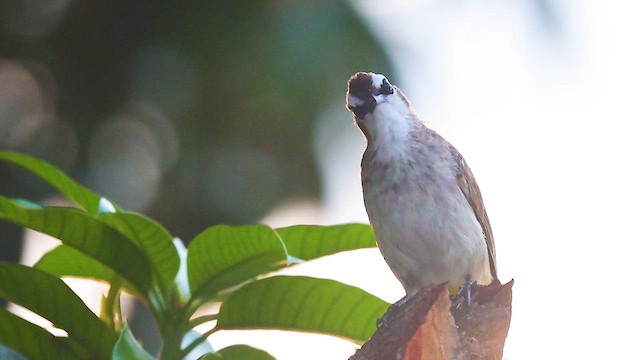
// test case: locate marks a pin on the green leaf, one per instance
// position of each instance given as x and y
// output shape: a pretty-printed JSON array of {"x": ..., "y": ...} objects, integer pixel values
[
  {"x": 313, "y": 241},
  {"x": 301, "y": 303},
  {"x": 67, "y": 261},
  {"x": 223, "y": 256},
  {"x": 52, "y": 299},
  {"x": 31, "y": 340},
  {"x": 86, "y": 234},
  {"x": 243, "y": 352},
  {"x": 210, "y": 356},
  {"x": 82, "y": 196},
  {"x": 128, "y": 348},
  {"x": 153, "y": 239}
]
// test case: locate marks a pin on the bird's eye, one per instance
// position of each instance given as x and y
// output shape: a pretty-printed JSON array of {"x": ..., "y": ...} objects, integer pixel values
[{"x": 386, "y": 88}]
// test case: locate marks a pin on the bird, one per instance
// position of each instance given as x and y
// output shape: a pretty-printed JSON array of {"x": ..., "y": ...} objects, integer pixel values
[{"x": 422, "y": 199}]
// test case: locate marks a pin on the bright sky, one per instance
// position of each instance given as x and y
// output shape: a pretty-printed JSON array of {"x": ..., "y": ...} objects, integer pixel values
[{"x": 547, "y": 120}]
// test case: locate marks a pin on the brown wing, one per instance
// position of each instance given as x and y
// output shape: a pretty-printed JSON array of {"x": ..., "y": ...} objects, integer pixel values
[{"x": 469, "y": 187}]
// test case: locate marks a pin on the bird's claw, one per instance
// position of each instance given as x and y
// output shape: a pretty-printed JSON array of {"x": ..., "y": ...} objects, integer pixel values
[{"x": 464, "y": 292}]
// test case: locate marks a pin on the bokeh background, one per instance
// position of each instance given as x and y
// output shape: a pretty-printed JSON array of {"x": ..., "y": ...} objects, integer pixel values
[{"x": 205, "y": 112}]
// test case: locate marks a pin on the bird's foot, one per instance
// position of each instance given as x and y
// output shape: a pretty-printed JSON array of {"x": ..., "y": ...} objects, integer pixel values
[
  {"x": 464, "y": 293},
  {"x": 393, "y": 308}
]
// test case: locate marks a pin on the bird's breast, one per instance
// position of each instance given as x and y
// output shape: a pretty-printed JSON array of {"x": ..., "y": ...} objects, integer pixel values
[{"x": 425, "y": 228}]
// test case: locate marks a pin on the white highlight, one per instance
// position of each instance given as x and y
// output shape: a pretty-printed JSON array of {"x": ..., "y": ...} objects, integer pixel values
[
  {"x": 105, "y": 206},
  {"x": 182, "y": 279},
  {"x": 377, "y": 79},
  {"x": 354, "y": 101}
]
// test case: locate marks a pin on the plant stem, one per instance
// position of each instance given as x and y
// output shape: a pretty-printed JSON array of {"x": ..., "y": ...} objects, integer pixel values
[
  {"x": 171, "y": 345},
  {"x": 203, "y": 319},
  {"x": 111, "y": 308},
  {"x": 198, "y": 341}
]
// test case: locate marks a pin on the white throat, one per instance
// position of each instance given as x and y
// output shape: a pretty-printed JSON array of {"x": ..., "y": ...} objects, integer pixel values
[{"x": 389, "y": 126}]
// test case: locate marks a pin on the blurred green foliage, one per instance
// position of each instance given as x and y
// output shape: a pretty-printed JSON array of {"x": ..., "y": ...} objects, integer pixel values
[
  {"x": 226, "y": 95},
  {"x": 194, "y": 113}
]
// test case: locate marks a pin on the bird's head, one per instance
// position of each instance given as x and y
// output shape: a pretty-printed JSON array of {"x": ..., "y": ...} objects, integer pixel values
[
  {"x": 377, "y": 105},
  {"x": 366, "y": 91}
]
